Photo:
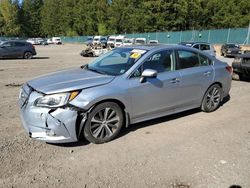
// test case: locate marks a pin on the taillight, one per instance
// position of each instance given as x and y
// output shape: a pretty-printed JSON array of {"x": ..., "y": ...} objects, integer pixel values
[
  {"x": 229, "y": 69},
  {"x": 33, "y": 46}
]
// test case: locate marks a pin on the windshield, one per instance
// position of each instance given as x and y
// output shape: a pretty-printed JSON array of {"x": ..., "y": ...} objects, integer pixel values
[
  {"x": 110, "y": 39},
  {"x": 96, "y": 39},
  {"x": 118, "y": 40},
  {"x": 140, "y": 41},
  {"x": 127, "y": 41},
  {"x": 116, "y": 62}
]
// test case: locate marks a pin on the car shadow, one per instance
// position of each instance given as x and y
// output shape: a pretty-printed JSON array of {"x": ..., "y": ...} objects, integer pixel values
[
  {"x": 136, "y": 126},
  {"x": 153, "y": 122},
  {"x": 41, "y": 58},
  {"x": 24, "y": 59}
]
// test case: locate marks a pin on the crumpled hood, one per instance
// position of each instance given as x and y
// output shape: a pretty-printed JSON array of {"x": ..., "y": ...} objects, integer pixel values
[{"x": 69, "y": 80}]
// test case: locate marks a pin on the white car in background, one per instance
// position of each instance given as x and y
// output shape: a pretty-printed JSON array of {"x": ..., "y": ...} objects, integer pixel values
[
  {"x": 119, "y": 41},
  {"x": 140, "y": 41},
  {"x": 49, "y": 41},
  {"x": 56, "y": 40},
  {"x": 153, "y": 42},
  {"x": 111, "y": 41},
  {"x": 128, "y": 41}
]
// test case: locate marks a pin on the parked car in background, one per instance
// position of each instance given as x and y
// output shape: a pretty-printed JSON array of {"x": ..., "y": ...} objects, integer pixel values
[
  {"x": 111, "y": 41},
  {"x": 119, "y": 41},
  {"x": 140, "y": 41},
  {"x": 230, "y": 50},
  {"x": 32, "y": 41},
  {"x": 49, "y": 41},
  {"x": 17, "y": 49},
  {"x": 128, "y": 41},
  {"x": 89, "y": 41},
  {"x": 56, "y": 40},
  {"x": 103, "y": 42},
  {"x": 153, "y": 42},
  {"x": 43, "y": 42},
  {"x": 203, "y": 46},
  {"x": 241, "y": 66},
  {"x": 124, "y": 86}
]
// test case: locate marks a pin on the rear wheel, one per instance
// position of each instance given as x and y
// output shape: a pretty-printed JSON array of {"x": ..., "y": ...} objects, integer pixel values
[
  {"x": 27, "y": 55},
  {"x": 212, "y": 98},
  {"x": 104, "y": 123}
]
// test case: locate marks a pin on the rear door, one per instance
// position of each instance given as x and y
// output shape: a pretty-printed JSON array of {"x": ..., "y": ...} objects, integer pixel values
[
  {"x": 197, "y": 75},
  {"x": 19, "y": 48}
]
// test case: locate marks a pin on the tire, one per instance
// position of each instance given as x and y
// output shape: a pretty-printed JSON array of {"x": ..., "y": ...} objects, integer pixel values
[
  {"x": 104, "y": 123},
  {"x": 212, "y": 98},
  {"x": 27, "y": 55}
]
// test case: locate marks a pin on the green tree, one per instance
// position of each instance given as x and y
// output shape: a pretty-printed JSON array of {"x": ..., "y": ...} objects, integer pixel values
[
  {"x": 9, "y": 18},
  {"x": 31, "y": 17}
]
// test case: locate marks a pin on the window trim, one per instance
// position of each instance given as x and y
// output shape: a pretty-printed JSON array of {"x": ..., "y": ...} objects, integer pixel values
[
  {"x": 197, "y": 53},
  {"x": 141, "y": 64}
]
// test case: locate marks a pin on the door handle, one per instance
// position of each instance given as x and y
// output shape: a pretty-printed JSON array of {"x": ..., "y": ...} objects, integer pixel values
[
  {"x": 208, "y": 73},
  {"x": 175, "y": 80}
]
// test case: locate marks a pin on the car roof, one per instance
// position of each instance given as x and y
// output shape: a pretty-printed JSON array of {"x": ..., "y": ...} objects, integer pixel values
[
  {"x": 157, "y": 46},
  {"x": 15, "y": 41},
  {"x": 192, "y": 43}
]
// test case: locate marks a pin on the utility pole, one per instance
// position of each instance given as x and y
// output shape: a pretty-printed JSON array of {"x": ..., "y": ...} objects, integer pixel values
[{"x": 248, "y": 33}]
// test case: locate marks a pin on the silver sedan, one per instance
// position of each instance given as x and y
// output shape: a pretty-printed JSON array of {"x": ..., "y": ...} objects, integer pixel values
[{"x": 122, "y": 87}]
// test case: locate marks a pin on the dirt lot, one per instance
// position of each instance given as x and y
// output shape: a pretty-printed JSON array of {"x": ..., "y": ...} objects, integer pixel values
[{"x": 191, "y": 149}]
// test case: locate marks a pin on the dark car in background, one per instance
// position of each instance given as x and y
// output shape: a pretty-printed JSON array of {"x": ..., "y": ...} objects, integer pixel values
[
  {"x": 89, "y": 41},
  {"x": 230, "y": 50},
  {"x": 16, "y": 49},
  {"x": 203, "y": 46},
  {"x": 241, "y": 66}
]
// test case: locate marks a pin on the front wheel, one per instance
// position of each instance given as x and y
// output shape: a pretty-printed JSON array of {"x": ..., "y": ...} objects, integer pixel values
[
  {"x": 212, "y": 98},
  {"x": 27, "y": 55},
  {"x": 104, "y": 123}
]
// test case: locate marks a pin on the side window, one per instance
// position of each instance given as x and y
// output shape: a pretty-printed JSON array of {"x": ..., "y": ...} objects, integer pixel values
[
  {"x": 204, "y": 61},
  {"x": 204, "y": 47},
  {"x": 8, "y": 44},
  {"x": 18, "y": 44},
  {"x": 196, "y": 46},
  {"x": 162, "y": 61},
  {"x": 187, "y": 59}
]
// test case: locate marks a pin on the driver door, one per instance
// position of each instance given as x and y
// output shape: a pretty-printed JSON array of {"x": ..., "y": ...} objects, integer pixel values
[
  {"x": 7, "y": 49},
  {"x": 155, "y": 96}
]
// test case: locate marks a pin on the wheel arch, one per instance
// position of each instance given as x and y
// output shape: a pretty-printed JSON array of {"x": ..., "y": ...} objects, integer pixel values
[{"x": 79, "y": 120}]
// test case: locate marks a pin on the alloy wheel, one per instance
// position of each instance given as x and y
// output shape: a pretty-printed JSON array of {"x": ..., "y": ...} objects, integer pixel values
[
  {"x": 213, "y": 98},
  {"x": 104, "y": 123}
]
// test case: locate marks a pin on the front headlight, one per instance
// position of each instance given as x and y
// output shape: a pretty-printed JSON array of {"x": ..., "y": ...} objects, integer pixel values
[{"x": 55, "y": 100}]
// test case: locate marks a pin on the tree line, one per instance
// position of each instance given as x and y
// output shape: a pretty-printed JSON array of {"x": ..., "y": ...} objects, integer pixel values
[{"x": 44, "y": 18}]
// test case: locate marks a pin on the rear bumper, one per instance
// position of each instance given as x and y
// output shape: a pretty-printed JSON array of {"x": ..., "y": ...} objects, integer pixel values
[{"x": 241, "y": 69}]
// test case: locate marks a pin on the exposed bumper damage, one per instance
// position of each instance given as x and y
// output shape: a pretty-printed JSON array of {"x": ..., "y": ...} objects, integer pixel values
[{"x": 49, "y": 125}]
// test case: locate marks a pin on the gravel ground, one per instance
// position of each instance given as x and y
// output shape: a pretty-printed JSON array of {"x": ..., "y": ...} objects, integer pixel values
[{"x": 187, "y": 150}]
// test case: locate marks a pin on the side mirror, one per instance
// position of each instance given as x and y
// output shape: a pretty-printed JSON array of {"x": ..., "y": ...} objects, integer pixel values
[{"x": 148, "y": 73}]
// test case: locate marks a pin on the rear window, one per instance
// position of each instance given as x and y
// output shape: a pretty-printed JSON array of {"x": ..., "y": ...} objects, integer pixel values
[{"x": 204, "y": 47}]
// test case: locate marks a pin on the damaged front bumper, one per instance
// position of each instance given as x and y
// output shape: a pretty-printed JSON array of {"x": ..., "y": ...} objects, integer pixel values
[{"x": 49, "y": 125}]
